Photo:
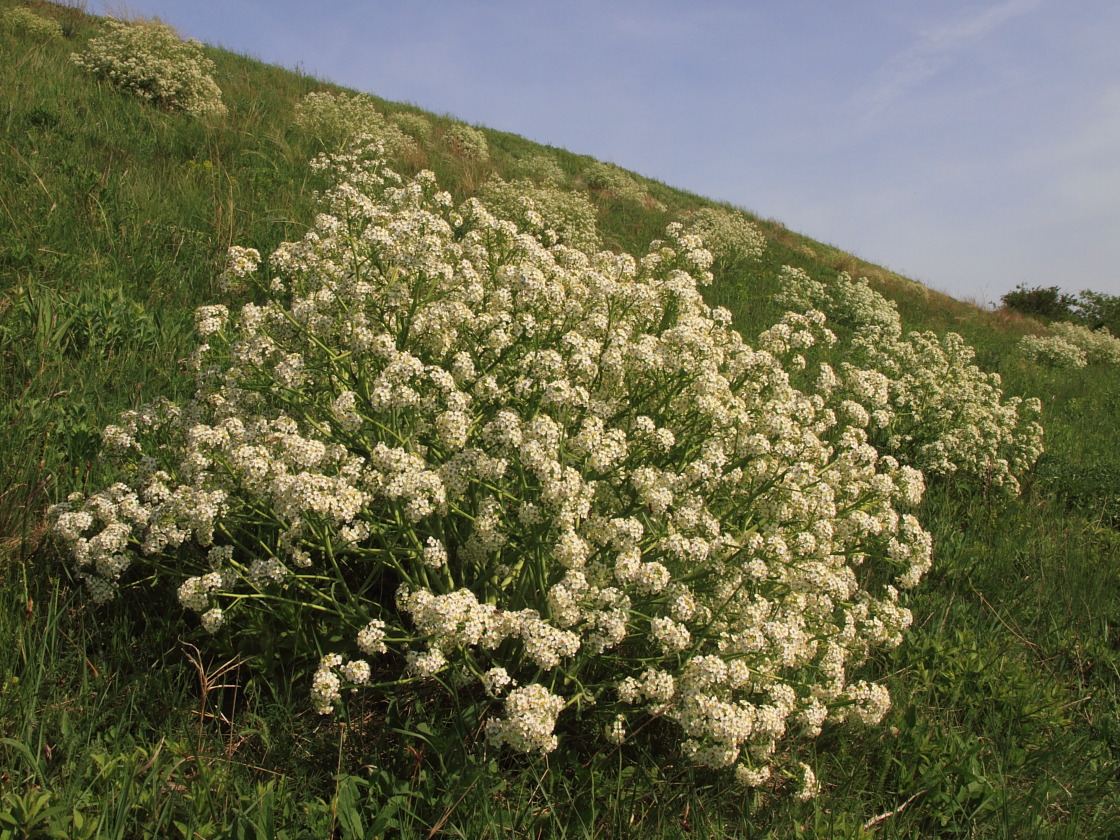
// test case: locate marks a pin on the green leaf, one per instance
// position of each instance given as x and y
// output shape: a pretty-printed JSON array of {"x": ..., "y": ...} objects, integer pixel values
[{"x": 349, "y": 809}]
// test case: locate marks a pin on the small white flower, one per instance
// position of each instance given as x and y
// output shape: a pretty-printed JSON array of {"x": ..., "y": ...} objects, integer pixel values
[
  {"x": 212, "y": 620},
  {"x": 810, "y": 787},
  {"x": 495, "y": 680},
  {"x": 371, "y": 638},
  {"x": 356, "y": 671},
  {"x": 616, "y": 732},
  {"x": 435, "y": 555}
]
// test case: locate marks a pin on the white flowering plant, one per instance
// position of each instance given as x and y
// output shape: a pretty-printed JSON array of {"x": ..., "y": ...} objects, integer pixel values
[
  {"x": 442, "y": 450},
  {"x": 1052, "y": 351},
  {"x": 146, "y": 58},
  {"x": 554, "y": 215},
  {"x": 337, "y": 120},
  {"x": 467, "y": 142},
  {"x": 416, "y": 125},
  {"x": 542, "y": 168},
  {"x": 920, "y": 396},
  {"x": 732, "y": 238},
  {"x": 25, "y": 20},
  {"x": 617, "y": 182},
  {"x": 1100, "y": 346},
  {"x": 849, "y": 303}
]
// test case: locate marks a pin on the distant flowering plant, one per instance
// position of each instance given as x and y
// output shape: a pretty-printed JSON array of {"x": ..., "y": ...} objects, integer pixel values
[
  {"x": 731, "y": 237},
  {"x": 467, "y": 142},
  {"x": 930, "y": 406},
  {"x": 148, "y": 59},
  {"x": 608, "y": 178},
  {"x": 849, "y": 303},
  {"x": 337, "y": 120},
  {"x": 1052, "y": 351},
  {"x": 447, "y": 451},
  {"x": 417, "y": 125},
  {"x": 542, "y": 168},
  {"x": 35, "y": 25},
  {"x": 553, "y": 214},
  {"x": 951, "y": 418},
  {"x": 1100, "y": 346}
]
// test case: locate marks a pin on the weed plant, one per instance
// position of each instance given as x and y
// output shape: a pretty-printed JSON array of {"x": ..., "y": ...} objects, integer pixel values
[
  {"x": 147, "y": 59},
  {"x": 121, "y": 721}
]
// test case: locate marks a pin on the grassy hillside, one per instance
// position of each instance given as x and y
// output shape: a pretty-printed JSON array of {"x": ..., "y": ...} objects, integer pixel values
[{"x": 127, "y": 720}]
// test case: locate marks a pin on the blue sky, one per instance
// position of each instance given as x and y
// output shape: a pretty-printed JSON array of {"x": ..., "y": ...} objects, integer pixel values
[{"x": 969, "y": 145}]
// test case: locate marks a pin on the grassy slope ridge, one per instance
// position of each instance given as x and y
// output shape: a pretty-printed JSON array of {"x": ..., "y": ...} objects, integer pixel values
[{"x": 114, "y": 217}]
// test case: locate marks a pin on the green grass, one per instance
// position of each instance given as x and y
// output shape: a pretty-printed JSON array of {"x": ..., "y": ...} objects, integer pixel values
[{"x": 113, "y": 220}]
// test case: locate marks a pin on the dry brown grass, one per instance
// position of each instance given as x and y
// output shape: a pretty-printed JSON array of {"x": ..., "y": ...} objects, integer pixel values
[{"x": 1009, "y": 320}]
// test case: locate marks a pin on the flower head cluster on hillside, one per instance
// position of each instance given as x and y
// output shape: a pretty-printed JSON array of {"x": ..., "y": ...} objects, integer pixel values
[
  {"x": 553, "y": 214},
  {"x": 556, "y": 476},
  {"x": 1072, "y": 345},
  {"x": 25, "y": 20},
  {"x": 934, "y": 409},
  {"x": 148, "y": 59},
  {"x": 608, "y": 178},
  {"x": 542, "y": 168},
  {"x": 731, "y": 237},
  {"x": 1052, "y": 351},
  {"x": 467, "y": 142},
  {"x": 337, "y": 120},
  {"x": 416, "y": 125}
]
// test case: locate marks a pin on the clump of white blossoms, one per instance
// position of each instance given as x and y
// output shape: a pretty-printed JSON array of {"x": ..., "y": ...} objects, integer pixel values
[
  {"x": 148, "y": 59},
  {"x": 556, "y": 475},
  {"x": 849, "y": 303},
  {"x": 1100, "y": 346},
  {"x": 616, "y": 181},
  {"x": 555, "y": 216},
  {"x": 337, "y": 120},
  {"x": 542, "y": 168},
  {"x": 1052, "y": 351},
  {"x": 926, "y": 403},
  {"x": 416, "y": 125},
  {"x": 731, "y": 237},
  {"x": 467, "y": 142},
  {"x": 25, "y": 20}
]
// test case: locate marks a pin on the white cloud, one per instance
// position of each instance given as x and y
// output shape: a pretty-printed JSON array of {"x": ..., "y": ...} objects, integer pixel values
[{"x": 934, "y": 51}]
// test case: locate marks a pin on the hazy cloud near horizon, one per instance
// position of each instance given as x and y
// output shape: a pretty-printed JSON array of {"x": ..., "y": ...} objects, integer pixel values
[
  {"x": 970, "y": 145},
  {"x": 935, "y": 50}
]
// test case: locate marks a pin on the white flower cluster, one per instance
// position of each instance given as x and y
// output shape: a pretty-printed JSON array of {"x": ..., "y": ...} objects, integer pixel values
[
  {"x": 467, "y": 142},
  {"x": 337, "y": 120},
  {"x": 1100, "y": 346},
  {"x": 847, "y": 302},
  {"x": 416, "y": 125},
  {"x": 210, "y": 319},
  {"x": 728, "y": 234},
  {"x": 1052, "y": 351},
  {"x": 241, "y": 263},
  {"x": 919, "y": 395},
  {"x": 951, "y": 418},
  {"x": 529, "y": 720},
  {"x": 542, "y": 168},
  {"x": 148, "y": 59},
  {"x": 569, "y": 469},
  {"x": 25, "y": 20},
  {"x": 553, "y": 215},
  {"x": 332, "y": 675},
  {"x": 608, "y": 178}
]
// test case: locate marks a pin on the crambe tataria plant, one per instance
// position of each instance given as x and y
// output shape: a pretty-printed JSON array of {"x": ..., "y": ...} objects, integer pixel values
[
  {"x": 146, "y": 58},
  {"x": 559, "y": 478},
  {"x": 930, "y": 406}
]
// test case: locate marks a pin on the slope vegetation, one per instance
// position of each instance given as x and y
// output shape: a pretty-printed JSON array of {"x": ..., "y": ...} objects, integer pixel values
[{"x": 129, "y": 719}]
